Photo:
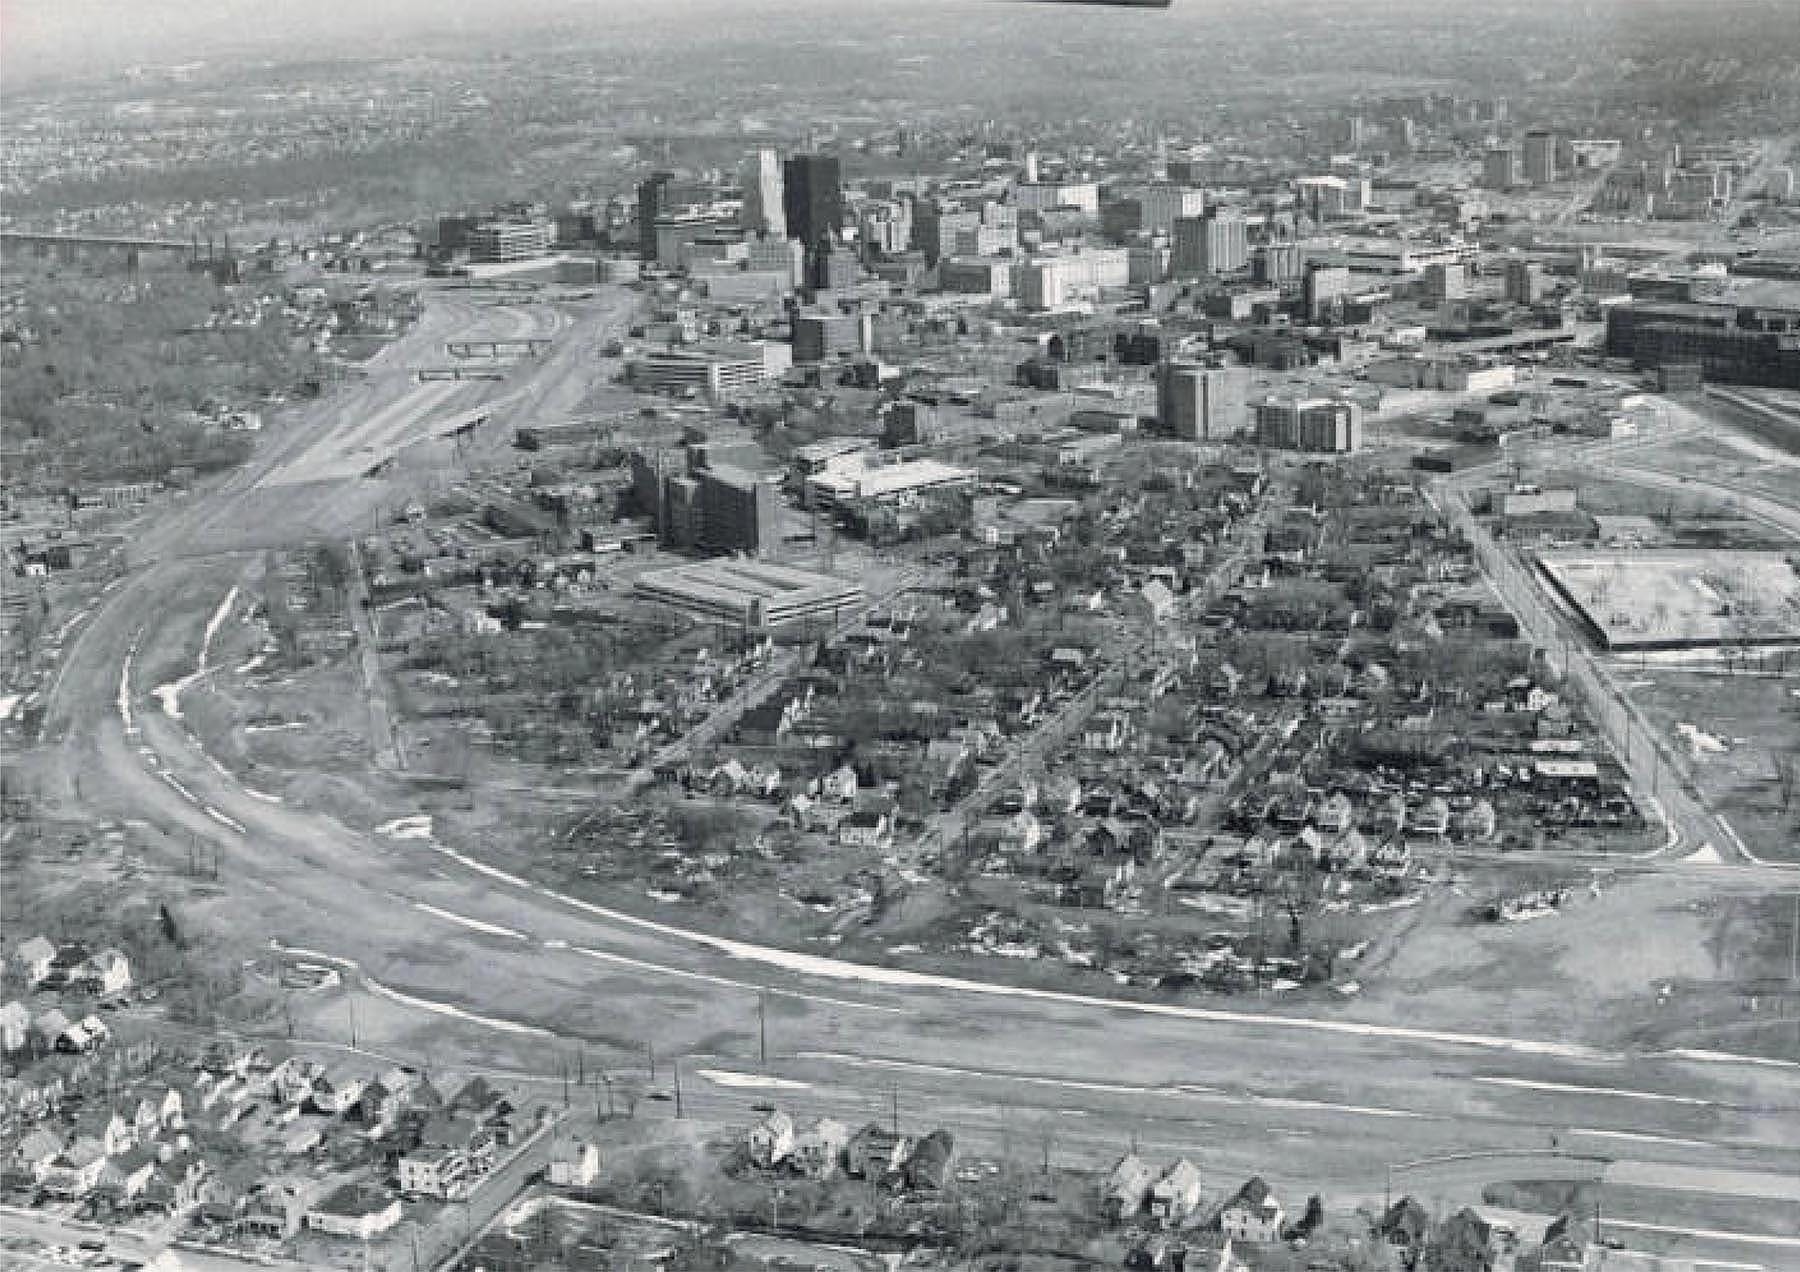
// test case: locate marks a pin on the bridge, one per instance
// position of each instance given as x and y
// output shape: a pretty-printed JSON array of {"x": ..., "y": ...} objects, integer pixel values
[
  {"x": 113, "y": 247},
  {"x": 529, "y": 347},
  {"x": 25, "y": 239},
  {"x": 460, "y": 373}
]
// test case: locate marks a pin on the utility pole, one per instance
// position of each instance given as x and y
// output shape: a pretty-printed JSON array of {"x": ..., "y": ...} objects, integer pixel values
[
  {"x": 650, "y": 1057},
  {"x": 1794, "y": 944},
  {"x": 762, "y": 1029},
  {"x": 675, "y": 1068},
  {"x": 894, "y": 1094}
]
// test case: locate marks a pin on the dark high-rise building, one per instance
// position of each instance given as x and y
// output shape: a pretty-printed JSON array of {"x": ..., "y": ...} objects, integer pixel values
[
  {"x": 1730, "y": 344},
  {"x": 812, "y": 196},
  {"x": 1200, "y": 403},
  {"x": 653, "y": 202}
]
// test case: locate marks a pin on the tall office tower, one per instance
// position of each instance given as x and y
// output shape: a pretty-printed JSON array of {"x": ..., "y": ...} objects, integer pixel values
[
  {"x": 812, "y": 197},
  {"x": 653, "y": 202},
  {"x": 1540, "y": 156},
  {"x": 1524, "y": 282},
  {"x": 1202, "y": 404},
  {"x": 763, "y": 212},
  {"x": 1323, "y": 288},
  {"x": 1277, "y": 263},
  {"x": 1210, "y": 245},
  {"x": 1500, "y": 168}
]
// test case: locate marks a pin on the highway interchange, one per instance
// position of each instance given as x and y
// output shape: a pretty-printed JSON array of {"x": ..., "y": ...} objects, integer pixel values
[{"x": 479, "y": 968}]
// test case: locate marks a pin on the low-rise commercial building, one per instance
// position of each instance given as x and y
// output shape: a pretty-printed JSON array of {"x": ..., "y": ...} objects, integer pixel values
[
  {"x": 714, "y": 371},
  {"x": 501, "y": 242},
  {"x": 753, "y": 594}
]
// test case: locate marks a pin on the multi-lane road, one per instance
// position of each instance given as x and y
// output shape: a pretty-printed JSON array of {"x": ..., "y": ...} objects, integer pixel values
[{"x": 461, "y": 965}]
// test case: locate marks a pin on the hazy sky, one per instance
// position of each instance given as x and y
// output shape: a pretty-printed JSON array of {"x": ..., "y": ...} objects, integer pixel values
[{"x": 82, "y": 37}]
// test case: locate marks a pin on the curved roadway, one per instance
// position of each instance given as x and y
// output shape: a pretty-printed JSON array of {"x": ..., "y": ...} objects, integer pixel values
[{"x": 1317, "y": 1103}]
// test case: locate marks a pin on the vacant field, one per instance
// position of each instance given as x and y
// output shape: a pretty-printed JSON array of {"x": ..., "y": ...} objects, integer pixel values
[
  {"x": 1730, "y": 730},
  {"x": 1686, "y": 598}
]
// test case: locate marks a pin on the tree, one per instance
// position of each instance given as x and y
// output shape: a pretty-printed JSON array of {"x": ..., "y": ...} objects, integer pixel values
[{"x": 1787, "y": 777}]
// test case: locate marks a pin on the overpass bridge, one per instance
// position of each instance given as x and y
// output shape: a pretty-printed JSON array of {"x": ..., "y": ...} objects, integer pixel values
[
  {"x": 107, "y": 247},
  {"x": 22, "y": 238},
  {"x": 525, "y": 346}
]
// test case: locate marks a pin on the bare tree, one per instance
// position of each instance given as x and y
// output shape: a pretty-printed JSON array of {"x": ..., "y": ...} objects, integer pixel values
[{"x": 1787, "y": 777}]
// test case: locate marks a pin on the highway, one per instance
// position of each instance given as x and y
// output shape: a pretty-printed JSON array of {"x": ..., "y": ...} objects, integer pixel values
[{"x": 464, "y": 967}]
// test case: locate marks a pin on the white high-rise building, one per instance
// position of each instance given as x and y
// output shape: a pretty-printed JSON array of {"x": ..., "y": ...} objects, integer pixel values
[{"x": 763, "y": 209}]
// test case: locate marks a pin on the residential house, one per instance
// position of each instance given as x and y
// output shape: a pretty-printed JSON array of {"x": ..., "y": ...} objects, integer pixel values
[
  {"x": 1019, "y": 833},
  {"x": 32, "y": 959},
  {"x": 464, "y": 1132},
  {"x": 378, "y": 1107},
  {"x": 1404, "y": 1229},
  {"x": 1176, "y": 1195},
  {"x": 124, "y": 1178},
  {"x": 291, "y": 1081},
  {"x": 35, "y": 1153},
  {"x": 1566, "y": 1244},
  {"x": 1126, "y": 1188},
  {"x": 839, "y": 785},
  {"x": 1465, "y": 1242},
  {"x": 274, "y": 1211},
  {"x": 1334, "y": 814},
  {"x": 1154, "y": 601},
  {"x": 434, "y": 1170},
  {"x": 876, "y": 1152},
  {"x": 112, "y": 1130},
  {"x": 333, "y": 1094},
  {"x": 106, "y": 973},
  {"x": 928, "y": 1166},
  {"x": 867, "y": 829},
  {"x": 357, "y": 1211},
  {"x": 90, "y": 1033},
  {"x": 1105, "y": 731},
  {"x": 575, "y": 1165},
  {"x": 1477, "y": 822},
  {"x": 67, "y": 966},
  {"x": 73, "y": 1174},
  {"x": 48, "y": 1027},
  {"x": 771, "y": 1140},
  {"x": 15, "y": 1027},
  {"x": 1432, "y": 818},
  {"x": 1392, "y": 859},
  {"x": 820, "y": 1148},
  {"x": 1253, "y": 1214},
  {"x": 174, "y": 1188}
]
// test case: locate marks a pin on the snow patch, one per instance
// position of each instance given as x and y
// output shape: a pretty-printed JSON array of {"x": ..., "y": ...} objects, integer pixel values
[
  {"x": 222, "y": 819},
  {"x": 170, "y": 694},
  {"x": 474, "y": 925},
  {"x": 751, "y": 1081},
  {"x": 840, "y": 970},
  {"x": 416, "y": 827},
  {"x": 1699, "y": 742}
]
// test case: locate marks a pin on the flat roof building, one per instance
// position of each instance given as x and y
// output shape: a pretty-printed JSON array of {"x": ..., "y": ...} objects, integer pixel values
[
  {"x": 1199, "y": 403},
  {"x": 713, "y": 371},
  {"x": 754, "y": 594},
  {"x": 499, "y": 242},
  {"x": 1322, "y": 425},
  {"x": 900, "y": 483}
]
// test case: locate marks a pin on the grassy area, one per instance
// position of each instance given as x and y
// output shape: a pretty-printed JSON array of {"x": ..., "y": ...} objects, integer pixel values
[{"x": 1733, "y": 733}]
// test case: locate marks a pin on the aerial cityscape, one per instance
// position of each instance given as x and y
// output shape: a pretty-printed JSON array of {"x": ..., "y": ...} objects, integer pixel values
[{"x": 751, "y": 635}]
